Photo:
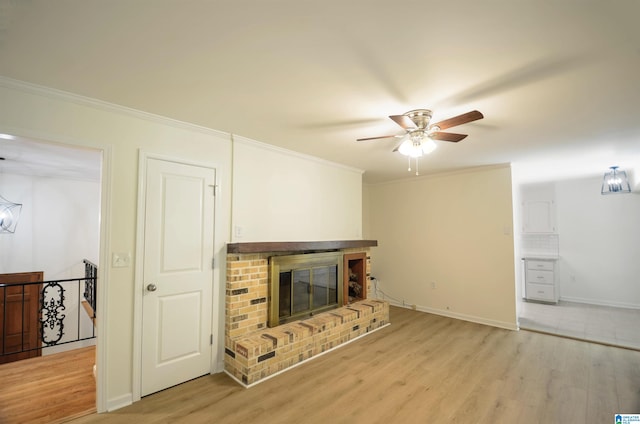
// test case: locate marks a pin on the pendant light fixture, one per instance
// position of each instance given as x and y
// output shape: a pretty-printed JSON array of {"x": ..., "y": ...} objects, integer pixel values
[
  {"x": 9, "y": 211},
  {"x": 615, "y": 181},
  {"x": 9, "y": 215}
]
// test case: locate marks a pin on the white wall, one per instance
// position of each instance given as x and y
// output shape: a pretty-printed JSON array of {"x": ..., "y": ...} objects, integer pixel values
[
  {"x": 49, "y": 115},
  {"x": 454, "y": 230},
  {"x": 599, "y": 244},
  {"x": 279, "y": 195},
  {"x": 366, "y": 212},
  {"x": 517, "y": 236},
  {"x": 58, "y": 228}
]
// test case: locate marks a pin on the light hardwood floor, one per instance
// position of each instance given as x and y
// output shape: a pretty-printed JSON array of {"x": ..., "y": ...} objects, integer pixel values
[
  {"x": 422, "y": 369},
  {"x": 48, "y": 389}
]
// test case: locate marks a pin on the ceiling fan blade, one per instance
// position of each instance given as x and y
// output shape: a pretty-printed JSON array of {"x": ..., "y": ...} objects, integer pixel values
[
  {"x": 376, "y": 138},
  {"x": 459, "y": 120},
  {"x": 403, "y": 121},
  {"x": 445, "y": 136}
]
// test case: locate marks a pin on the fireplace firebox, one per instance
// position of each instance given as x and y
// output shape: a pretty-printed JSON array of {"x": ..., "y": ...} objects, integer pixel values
[
  {"x": 303, "y": 285},
  {"x": 355, "y": 277}
]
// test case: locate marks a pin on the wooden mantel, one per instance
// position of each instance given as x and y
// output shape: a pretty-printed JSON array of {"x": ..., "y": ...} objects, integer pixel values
[{"x": 297, "y": 246}]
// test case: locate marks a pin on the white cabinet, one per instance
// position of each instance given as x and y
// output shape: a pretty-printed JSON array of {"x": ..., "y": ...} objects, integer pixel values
[
  {"x": 540, "y": 281},
  {"x": 538, "y": 216}
]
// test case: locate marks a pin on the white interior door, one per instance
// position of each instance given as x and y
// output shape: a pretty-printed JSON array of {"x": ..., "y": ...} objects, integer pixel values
[{"x": 177, "y": 274}]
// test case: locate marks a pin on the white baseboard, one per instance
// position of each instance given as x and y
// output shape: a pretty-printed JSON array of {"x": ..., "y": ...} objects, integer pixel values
[
  {"x": 600, "y": 302},
  {"x": 463, "y": 317},
  {"x": 119, "y": 402}
]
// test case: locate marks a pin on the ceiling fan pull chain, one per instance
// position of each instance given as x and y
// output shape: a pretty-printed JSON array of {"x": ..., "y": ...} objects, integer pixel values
[
  {"x": 409, "y": 159},
  {"x": 417, "y": 167}
]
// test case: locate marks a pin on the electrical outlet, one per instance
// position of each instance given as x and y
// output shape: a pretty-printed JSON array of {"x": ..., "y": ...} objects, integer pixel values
[
  {"x": 433, "y": 284},
  {"x": 413, "y": 307}
]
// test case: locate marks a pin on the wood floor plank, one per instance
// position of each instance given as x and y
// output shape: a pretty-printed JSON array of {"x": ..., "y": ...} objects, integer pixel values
[
  {"x": 48, "y": 389},
  {"x": 423, "y": 368}
]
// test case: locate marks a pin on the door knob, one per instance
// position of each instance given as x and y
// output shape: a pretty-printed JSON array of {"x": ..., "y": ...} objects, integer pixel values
[{"x": 152, "y": 287}]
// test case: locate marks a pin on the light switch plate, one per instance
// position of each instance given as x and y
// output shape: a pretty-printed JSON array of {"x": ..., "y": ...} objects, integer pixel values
[{"x": 121, "y": 260}]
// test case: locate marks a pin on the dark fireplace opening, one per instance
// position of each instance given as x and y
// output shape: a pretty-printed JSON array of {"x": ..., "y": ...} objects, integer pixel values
[
  {"x": 355, "y": 270},
  {"x": 303, "y": 285}
]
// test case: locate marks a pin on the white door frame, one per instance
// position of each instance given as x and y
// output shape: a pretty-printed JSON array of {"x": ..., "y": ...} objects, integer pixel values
[
  {"x": 104, "y": 249},
  {"x": 103, "y": 279},
  {"x": 143, "y": 158}
]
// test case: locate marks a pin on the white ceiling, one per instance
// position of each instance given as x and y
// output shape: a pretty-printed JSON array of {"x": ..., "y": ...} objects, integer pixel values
[
  {"x": 23, "y": 156},
  {"x": 557, "y": 81}
]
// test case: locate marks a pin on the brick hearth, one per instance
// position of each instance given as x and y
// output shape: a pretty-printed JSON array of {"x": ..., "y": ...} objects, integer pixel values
[{"x": 253, "y": 351}]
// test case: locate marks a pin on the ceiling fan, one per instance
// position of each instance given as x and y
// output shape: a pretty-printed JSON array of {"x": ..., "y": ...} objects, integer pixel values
[{"x": 419, "y": 136}]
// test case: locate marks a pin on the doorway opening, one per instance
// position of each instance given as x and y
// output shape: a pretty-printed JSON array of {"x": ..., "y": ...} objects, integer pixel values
[{"x": 60, "y": 188}]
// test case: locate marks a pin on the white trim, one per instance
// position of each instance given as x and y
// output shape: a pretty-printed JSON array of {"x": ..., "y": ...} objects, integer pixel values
[
  {"x": 143, "y": 157},
  {"x": 612, "y": 304},
  {"x": 464, "y": 317},
  {"x": 56, "y": 94},
  {"x": 103, "y": 280},
  {"x": 247, "y": 386},
  {"x": 105, "y": 246},
  {"x": 235, "y": 138},
  {"x": 138, "y": 283},
  {"x": 119, "y": 402}
]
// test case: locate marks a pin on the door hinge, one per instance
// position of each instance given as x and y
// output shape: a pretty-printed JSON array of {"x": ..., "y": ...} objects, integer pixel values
[
  {"x": 213, "y": 263},
  {"x": 211, "y": 339},
  {"x": 215, "y": 188}
]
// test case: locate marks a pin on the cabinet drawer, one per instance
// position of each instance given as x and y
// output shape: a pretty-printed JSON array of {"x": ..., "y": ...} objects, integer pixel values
[
  {"x": 540, "y": 292},
  {"x": 542, "y": 277},
  {"x": 542, "y": 265}
]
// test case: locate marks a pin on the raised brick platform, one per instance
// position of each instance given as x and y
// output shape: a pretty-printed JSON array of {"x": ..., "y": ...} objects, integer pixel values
[{"x": 261, "y": 354}]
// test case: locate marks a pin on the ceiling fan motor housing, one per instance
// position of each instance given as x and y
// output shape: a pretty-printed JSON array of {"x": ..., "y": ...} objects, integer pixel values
[{"x": 420, "y": 117}]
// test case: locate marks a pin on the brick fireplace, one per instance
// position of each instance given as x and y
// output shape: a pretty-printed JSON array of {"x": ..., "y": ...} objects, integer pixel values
[{"x": 253, "y": 350}]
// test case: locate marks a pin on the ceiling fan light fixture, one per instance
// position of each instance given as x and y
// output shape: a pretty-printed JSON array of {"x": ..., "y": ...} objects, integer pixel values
[
  {"x": 428, "y": 146},
  {"x": 419, "y": 136},
  {"x": 409, "y": 148},
  {"x": 416, "y": 147}
]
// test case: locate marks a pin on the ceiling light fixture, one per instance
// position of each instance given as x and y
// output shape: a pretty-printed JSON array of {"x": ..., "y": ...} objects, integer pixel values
[
  {"x": 615, "y": 181},
  {"x": 416, "y": 144},
  {"x": 419, "y": 136},
  {"x": 9, "y": 215}
]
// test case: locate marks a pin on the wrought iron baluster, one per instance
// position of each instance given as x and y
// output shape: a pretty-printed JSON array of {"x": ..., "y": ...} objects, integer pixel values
[
  {"x": 52, "y": 318},
  {"x": 90, "y": 275},
  {"x": 55, "y": 301}
]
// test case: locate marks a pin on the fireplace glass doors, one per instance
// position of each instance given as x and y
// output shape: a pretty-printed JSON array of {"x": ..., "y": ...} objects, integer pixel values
[{"x": 302, "y": 285}]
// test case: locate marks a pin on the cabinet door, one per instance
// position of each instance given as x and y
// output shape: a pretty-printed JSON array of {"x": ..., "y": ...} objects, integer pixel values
[{"x": 539, "y": 216}]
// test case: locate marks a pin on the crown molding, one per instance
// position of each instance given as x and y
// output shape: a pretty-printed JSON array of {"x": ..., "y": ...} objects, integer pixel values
[{"x": 55, "y": 94}]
